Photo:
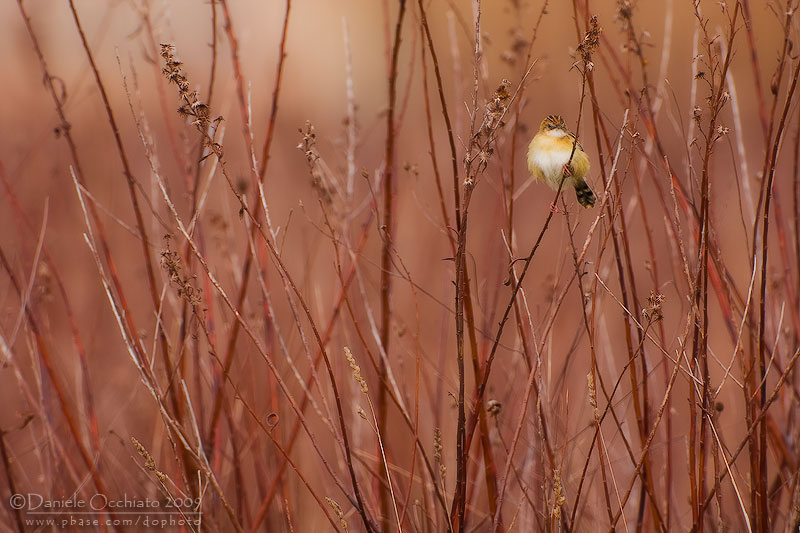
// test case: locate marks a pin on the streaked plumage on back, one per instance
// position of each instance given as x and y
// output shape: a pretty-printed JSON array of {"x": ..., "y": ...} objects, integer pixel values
[{"x": 549, "y": 153}]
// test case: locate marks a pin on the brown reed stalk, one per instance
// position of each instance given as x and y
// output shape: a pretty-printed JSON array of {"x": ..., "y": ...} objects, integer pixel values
[
  {"x": 146, "y": 254},
  {"x": 258, "y": 176},
  {"x": 265, "y": 151},
  {"x": 627, "y": 283},
  {"x": 711, "y": 133},
  {"x": 200, "y": 113},
  {"x": 589, "y": 325},
  {"x": 131, "y": 182},
  {"x": 458, "y": 510},
  {"x": 388, "y": 225},
  {"x": 77, "y": 338},
  {"x": 12, "y": 487},
  {"x": 796, "y": 196},
  {"x": 327, "y": 333},
  {"x": 489, "y": 465},
  {"x": 47, "y": 362},
  {"x": 445, "y": 114},
  {"x": 761, "y": 326},
  {"x": 268, "y": 431},
  {"x": 357, "y": 502}
]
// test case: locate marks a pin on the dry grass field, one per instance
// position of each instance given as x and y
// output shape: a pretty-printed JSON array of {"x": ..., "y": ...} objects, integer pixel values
[{"x": 280, "y": 266}]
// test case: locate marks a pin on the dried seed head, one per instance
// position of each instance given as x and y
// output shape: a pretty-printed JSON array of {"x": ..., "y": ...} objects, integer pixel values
[
  {"x": 653, "y": 310},
  {"x": 437, "y": 445},
  {"x": 519, "y": 41},
  {"x": 481, "y": 149},
  {"x": 493, "y": 407},
  {"x": 191, "y": 107},
  {"x": 171, "y": 263},
  {"x": 356, "y": 370},
  {"x": 773, "y": 84},
  {"x": 338, "y": 510},
  {"x": 149, "y": 462},
  {"x": 319, "y": 181},
  {"x": 44, "y": 283},
  {"x": 558, "y": 494},
  {"x": 592, "y": 391},
  {"x": 624, "y": 11},
  {"x": 496, "y": 109},
  {"x": 508, "y": 57},
  {"x": 590, "y": 42}
]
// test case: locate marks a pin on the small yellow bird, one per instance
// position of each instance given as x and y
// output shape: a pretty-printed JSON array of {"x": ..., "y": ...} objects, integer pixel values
[{"x": 549, "y": 153}]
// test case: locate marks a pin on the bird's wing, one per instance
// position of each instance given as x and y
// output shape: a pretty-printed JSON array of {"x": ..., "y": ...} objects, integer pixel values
[{"x": 572, "y": 140}]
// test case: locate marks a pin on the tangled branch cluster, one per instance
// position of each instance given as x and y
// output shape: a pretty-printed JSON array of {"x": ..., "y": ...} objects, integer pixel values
[
  {"x": 193, "y": 107},
  {"x": 590, "y": 41},
  {"x": 171, "y": 263},
  {"x": 307, "y": 145},
  {"x": 653, "y": 311},
  {"x": 483, "y": 139}
]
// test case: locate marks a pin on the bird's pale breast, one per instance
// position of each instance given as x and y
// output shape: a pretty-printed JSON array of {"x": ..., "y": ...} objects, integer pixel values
[{"x": 547, "y": 156}]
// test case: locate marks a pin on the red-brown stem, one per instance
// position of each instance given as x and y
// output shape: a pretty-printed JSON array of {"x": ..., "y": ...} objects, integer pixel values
[
  {"x": 14, "y": 510},
  {"x": 94, "y": 432},
  {"x": 432, "y": 151},
  {"x": 256, "y": 205},
  {"x": 763, "y": 522},
  {"x": 646, "y": 446},
  {"x": 248, "y": 260},
  {"x": 131, "y": 182},
  {"x": 44, "y": 355},
  {"x": 445, "y": 114},
  {"x": 275, "y": 94},
  {"x": 748, "y": 25},
  {"x": 700, "y": 333},
  {"x": 386, "y": 253},
  {"x": 460, "y": 496},
  {"x": 796, "y": 199},
  {"x": 640, "y": 403},
  {"x": 65, "y": 129},
  {"x": 308, "y": 381},
  {"x": 596, "y": 376},
  {"x": 490, "y": 469},
  {"x": 458, "y": 511},
  {"x": 751, "y": 428}
]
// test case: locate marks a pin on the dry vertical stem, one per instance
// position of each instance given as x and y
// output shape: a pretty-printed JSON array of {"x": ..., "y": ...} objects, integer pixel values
[{"x": 387, "y": 229}]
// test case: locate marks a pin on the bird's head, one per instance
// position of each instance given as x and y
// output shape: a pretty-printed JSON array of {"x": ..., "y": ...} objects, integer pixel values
[{"x": 554, "y": 125}]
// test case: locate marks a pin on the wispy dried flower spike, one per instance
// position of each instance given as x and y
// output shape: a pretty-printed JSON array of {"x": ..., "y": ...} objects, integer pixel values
[{"x": 356, "y": 370}]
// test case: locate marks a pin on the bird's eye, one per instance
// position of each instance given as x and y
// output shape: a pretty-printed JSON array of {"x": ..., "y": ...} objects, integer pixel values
[{"x": 551, "y": 126}]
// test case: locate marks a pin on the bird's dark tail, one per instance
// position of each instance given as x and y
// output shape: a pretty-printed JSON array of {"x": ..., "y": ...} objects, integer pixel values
[{"x": 585, "y": 195}]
